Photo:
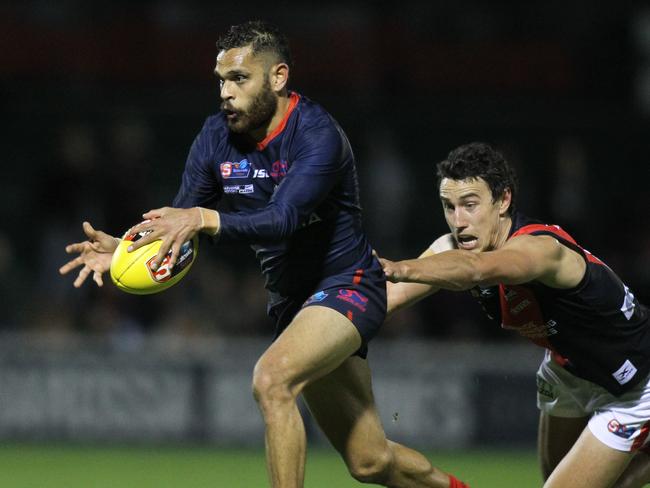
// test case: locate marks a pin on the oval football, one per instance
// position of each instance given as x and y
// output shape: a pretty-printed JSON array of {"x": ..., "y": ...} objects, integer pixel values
[{"x": 131, "y": 271}]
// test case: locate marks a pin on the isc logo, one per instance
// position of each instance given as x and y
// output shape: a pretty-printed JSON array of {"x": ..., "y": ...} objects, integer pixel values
[{"x": 260, "y": 173}]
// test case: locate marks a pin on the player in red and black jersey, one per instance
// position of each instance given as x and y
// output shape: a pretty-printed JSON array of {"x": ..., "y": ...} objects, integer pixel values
[
  {"x": 593, "y": 385},
  {"x": 286, "y": 172}
]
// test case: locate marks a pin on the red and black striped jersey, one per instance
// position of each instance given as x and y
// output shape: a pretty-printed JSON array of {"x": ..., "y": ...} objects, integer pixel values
[{"x": 598, "y": 330}]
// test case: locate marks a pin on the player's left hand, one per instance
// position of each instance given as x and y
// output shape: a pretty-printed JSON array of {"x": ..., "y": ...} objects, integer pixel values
[{"x": 173, "y": 226}]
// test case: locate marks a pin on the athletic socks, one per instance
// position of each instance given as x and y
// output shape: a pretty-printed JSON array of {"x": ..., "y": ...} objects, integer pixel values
[{"x": 456, "y": 483}]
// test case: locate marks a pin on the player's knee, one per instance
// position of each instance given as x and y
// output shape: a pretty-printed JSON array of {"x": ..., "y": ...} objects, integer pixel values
[
  {"x": 370, "y": 466},
  {"x": 270, "y": 387}
]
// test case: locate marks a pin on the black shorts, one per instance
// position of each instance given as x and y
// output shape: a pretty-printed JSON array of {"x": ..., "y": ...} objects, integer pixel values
[{"x": 358, "y": 294}]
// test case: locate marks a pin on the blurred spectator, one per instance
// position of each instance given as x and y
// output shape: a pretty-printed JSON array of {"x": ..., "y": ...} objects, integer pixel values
[
  {"x": 568, "y": 197},
  {"x": 130, "y": 163},
  {"x": 387, "y": 178}
]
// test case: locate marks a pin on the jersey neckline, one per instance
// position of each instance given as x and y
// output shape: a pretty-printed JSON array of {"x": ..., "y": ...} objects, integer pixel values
[{"x": 293, "y": 101}]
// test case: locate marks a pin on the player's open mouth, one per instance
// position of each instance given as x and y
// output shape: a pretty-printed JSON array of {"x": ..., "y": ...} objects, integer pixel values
[
  {"x": 229, "y": 112},
  {"x": 466, "y": 242}
]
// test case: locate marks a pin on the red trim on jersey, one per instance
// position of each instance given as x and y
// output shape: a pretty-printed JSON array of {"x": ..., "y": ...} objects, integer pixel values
[
  {"x": 358, "y": 274},
  {"x": 557, "y": 230},
  {"x": 294, "y": 98},
  {"x": 350, "y": 315}
]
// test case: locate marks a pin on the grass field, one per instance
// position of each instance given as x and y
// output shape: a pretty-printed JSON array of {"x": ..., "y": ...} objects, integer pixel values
[{"x": 36, "y": 466}]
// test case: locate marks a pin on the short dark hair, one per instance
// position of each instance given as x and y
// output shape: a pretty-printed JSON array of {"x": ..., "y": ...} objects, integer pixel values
[
  {"x": 261, "y": 36},
  {"x": 480, "y": 160}
]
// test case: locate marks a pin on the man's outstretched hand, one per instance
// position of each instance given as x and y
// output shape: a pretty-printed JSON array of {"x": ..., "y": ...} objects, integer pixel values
[{"x": 95, "y": 255}]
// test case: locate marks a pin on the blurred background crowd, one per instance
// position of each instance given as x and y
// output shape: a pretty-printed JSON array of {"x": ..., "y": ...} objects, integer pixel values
[{"x": 101, "y": 102}]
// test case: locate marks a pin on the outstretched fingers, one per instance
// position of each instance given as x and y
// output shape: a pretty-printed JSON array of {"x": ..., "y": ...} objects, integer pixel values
[
  {"x": 89, "y": 231},
  {"x": 70, "y": 265},
  {"x": 83, "y": 274},
  {"x": 97, "y": 278}
]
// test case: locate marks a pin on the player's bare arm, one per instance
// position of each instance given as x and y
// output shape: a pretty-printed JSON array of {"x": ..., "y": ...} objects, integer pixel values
[
  {"x": 174, "y": 226},
  {"x": 401, "y": 295},
  {"x": 522, "y": 259},
  {"x": 94, "y": 255}
]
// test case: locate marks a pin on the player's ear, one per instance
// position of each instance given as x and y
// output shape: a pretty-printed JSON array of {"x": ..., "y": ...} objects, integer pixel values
[
  {"x": 506, "y": 201},
  {"x": 279, "y": 76}
]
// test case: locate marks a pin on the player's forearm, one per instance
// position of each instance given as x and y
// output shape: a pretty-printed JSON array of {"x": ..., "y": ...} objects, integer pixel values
[
  {"x": 274, "y": 223},
  {"x": 403, "y": 295},
  {"x": 450, "y": 270}
]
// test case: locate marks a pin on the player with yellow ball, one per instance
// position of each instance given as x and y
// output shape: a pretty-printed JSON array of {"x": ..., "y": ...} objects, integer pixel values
[{"x": 287, "y": 170}]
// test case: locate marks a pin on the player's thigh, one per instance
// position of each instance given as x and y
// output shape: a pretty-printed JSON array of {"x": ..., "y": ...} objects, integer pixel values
[
  {"x": 316, "y": 342},
  {"x": 344, "y": 406},
  {"x": 589, "y": 464},
  {"x": 556, "y": 436}
]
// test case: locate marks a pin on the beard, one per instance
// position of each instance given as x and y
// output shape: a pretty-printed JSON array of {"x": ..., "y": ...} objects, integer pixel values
[{"x": 262, "y": 108}]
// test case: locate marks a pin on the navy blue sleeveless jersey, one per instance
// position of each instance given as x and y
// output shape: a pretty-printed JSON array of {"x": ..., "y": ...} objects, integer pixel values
[
  {"x": 597, "y": 330},
  {"x": 294, "y": 196}
]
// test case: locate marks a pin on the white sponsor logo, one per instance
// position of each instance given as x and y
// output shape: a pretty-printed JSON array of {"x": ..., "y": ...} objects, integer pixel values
[
  {"x": 260, "y": 173},
  {"x": 625, "y": 373},
  {"x": 240, "y": 189},
  {"x": 628, "y": 304}
]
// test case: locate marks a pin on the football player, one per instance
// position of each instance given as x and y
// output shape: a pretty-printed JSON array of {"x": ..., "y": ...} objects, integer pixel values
[
  {"x": 287, "y": 173},
  {"x": 535, "y": 279}
]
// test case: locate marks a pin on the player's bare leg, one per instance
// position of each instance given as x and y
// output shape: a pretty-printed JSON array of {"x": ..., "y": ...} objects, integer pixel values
[
  {"x": 343, "y": 404},
  {"x": 316, "y": 342},
  {"x": 589, "y": 464},
  {"x": 555, "y": 438},
  {"x": 637, "y": 473}
]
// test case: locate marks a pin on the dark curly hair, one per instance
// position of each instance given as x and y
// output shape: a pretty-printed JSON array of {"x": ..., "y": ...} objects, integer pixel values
[
  {"x": 480, "y": 160},
  {"x": 261, "y": 36}
]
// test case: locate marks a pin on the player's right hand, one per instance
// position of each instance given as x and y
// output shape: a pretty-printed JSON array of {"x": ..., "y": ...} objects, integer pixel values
[{"x": 95, "y": 255}]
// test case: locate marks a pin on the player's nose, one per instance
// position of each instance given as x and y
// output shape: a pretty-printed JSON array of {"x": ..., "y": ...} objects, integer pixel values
[
  {"x": 458, "y": 219},
  {"x": 226, "y": 91}
]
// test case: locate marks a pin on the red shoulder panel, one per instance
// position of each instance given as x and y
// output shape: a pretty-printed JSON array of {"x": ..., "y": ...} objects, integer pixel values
[{"x": 558, "y": 231}]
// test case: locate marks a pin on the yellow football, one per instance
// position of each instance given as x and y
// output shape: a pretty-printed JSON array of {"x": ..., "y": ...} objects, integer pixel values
[{"x": 131, "y": 271}]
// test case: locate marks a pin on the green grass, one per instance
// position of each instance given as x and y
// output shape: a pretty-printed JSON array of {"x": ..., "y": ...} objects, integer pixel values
[{"x": 37, "y": 466}]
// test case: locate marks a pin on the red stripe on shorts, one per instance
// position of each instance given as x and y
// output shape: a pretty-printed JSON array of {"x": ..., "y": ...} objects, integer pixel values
[
  {"x": 357, "y": 276},
  {"x": 640, "y": 440}
]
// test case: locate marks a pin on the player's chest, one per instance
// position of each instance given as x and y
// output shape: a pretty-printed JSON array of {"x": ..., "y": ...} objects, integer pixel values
[{"x": 250, "y": 176}]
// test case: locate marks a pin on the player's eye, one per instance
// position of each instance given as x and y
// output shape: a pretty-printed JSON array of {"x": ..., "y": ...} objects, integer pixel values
[
  {"x": 471, "y": 205},
  {"x": 239, "y": 79}
]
